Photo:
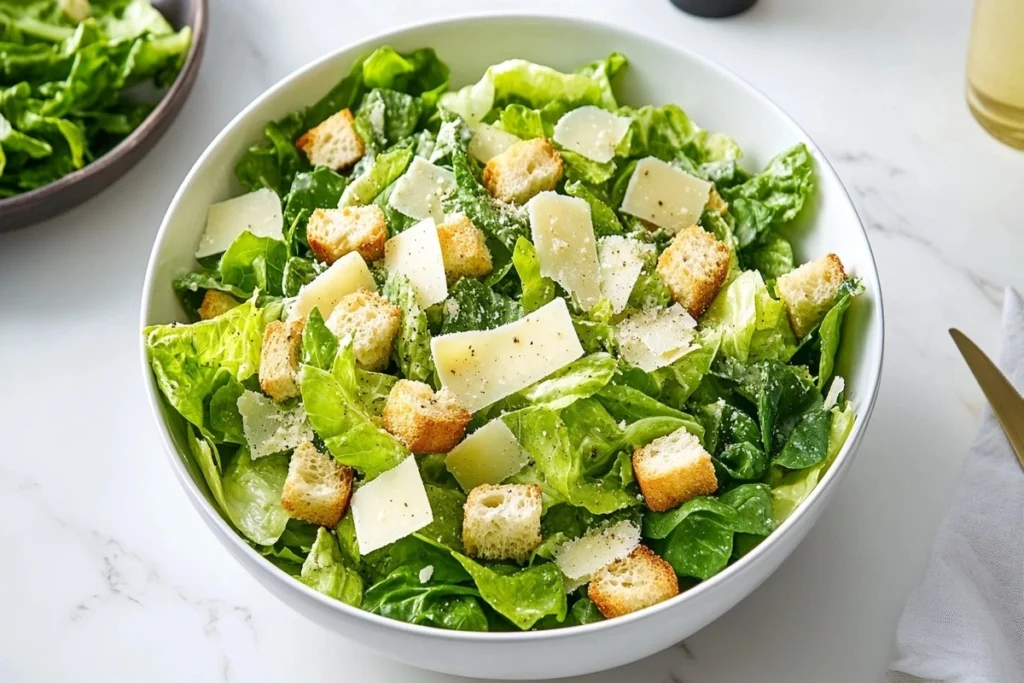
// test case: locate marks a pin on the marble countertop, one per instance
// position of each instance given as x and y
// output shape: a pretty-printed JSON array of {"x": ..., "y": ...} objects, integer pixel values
[{"x": 109, "y": 575}]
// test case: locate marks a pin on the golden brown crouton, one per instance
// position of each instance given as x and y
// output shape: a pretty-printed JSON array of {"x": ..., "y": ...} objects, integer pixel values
[
  {"x": 463, "y": 249},
  {"x": 215, "y": 303},
  {"x": 317, "y": 488},
  {"x": 424, "y": 421},
  {"x": 809, "y": 290},
  {"x": 332, "y": 233},
  {"x": 279, "y": 359},
  {"x": 502, "y": 522},
  {"x": 715, "y": 202},
  {"x": 372, "y": 321},
  {"x": 694, "y": 267},
  {"x": 672, "y": 469},
  {"x": 523, "y": 170},
  {"x": 334, "y": 143},
  {"x": 640, "y": 580}
]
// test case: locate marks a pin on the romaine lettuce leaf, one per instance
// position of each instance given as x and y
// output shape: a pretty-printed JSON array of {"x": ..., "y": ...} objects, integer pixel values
[
  {"x": 664, "y": 132},
  {"x": 412, "y": 345},
  {"x": 319, "y": 345},
  {"x": 207, "y": 459},
  {"x": 603, "y": 217},
  {"x": 752, "y": 324},
  {"x": 524, "y": 596},
  {"x": 252, "y": 496},
  {"x": 326, "y": 570},
  {"x": 187, "y": 358},
  {"x": 534, "y": 85},
  {"x": 537, "y": 289},
  {"x": 698, "y": 535},
  {"x": 524, "y": 122},
  {"x": 579, "y": 379},
  {"x": 337, "y": 415},
  {"x": 447, "y": 506},
  {"x": 385, "y": 169},
  {"x": 401, "y": 595},
  {"x": 790, "y": 488},
  {"x": 734, "y": 442},
  {"x": 597, "y": 436},
  {"x": 830, "y": 329},
  {"x": 772, "y": 255},
  {"x": 778, "y": 192},
  {"x": 557, "y": 466},
  {"x": 498, "y": 220},
  {"x": 386, "y": 116},
  {"x": 252, "y": 263},
  {"x": 472, "y": 305},
  {"x": 320, "y": 188}
]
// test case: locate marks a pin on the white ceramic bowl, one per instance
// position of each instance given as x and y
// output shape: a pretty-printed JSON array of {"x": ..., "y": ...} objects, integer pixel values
[{"x": 658, "y": 73}]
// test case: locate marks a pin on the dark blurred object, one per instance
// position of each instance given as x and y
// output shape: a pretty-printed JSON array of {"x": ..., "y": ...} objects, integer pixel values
[{"x": 714, "y": 9}]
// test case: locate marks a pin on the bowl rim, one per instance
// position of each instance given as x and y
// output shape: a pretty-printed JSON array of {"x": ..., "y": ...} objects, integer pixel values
[
  {"x": 149, "y": 126},
  {"x": 728, "y": 575}
]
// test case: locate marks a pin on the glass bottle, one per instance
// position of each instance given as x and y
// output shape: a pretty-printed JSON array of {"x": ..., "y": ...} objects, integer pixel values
[{"x": 995, "y": 69}]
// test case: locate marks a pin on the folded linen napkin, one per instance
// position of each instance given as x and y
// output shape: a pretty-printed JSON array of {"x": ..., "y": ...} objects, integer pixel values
[{"x": 964, "y": 623}]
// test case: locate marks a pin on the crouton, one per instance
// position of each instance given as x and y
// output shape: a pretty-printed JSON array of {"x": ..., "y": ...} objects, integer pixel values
[
  {"x": 463, "y": 249},
  {"x": 215, "y": 303},
  {"x": 502, "y": 522},
  {"x": 279, "y": 359},
  {"x": 332, "y": 233},
  {"x": 317, "y": 488},
  {"x": 372, "y": 321},
  {"x": 334, "y": 143},
  {"x": 424, "y": 421},
  {"x": 715, "y": 203},
  {"x": 672, "y": 469},
  {"x": 808, "y": 291},
  {"x": 523, "y": 170},
  {"x": 694, "y": 267},
  {"x": 628, "y": 585}
]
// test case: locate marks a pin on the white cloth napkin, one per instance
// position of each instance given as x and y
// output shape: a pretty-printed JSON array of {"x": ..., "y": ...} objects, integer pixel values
[{"x": 965, "y": 621}]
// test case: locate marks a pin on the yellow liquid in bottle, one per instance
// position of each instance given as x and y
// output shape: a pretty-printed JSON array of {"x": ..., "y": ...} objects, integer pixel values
[{"x": 995, "y": 69}]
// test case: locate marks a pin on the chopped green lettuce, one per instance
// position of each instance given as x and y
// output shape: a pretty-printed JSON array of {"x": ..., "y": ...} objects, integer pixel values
[
  {"x": 347, "y": 428},
  {"x": 187, "y": 358},
  {"x": 252, "y": 496},
  {"x": 412, "y": 345},
  {"x": 326, "y": 571}
]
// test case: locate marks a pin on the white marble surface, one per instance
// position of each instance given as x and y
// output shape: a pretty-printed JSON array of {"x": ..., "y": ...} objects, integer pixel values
[{"x": 109, "y": 575}]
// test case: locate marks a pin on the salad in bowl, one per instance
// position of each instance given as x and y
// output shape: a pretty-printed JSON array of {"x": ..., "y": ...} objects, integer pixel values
[{"x": 510, "y": 357}]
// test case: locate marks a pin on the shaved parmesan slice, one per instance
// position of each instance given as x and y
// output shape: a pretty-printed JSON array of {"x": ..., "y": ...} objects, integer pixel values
[
  {"x": 490, "y": 455},
  {"x": 416, "y": 254},
  {"x": 654, "y": 338},
  {"x": 489, "y": 141},
  {"x": 592, "y": 132},
  {"x": 418, "y": 193},
  {"x": 622, "y": 260},
  {"x": 484, "y": 366},
  {"x": 346, "y": 275},
  {"x": 836, "y": 388},
  {"x": 665, "y": 195},
  {"x": 258, "y": 212},
  {"x": 580, "y": 559},
  {"x": 390, "y": 507},
  {"x": 566, "y": 247},
  {"x": 269, "y": 429},
  {"x": 426, "y": 573}
]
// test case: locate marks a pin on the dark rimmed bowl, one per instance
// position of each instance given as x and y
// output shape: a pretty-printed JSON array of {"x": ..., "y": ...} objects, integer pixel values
[{"x": 73, "y": 189}]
